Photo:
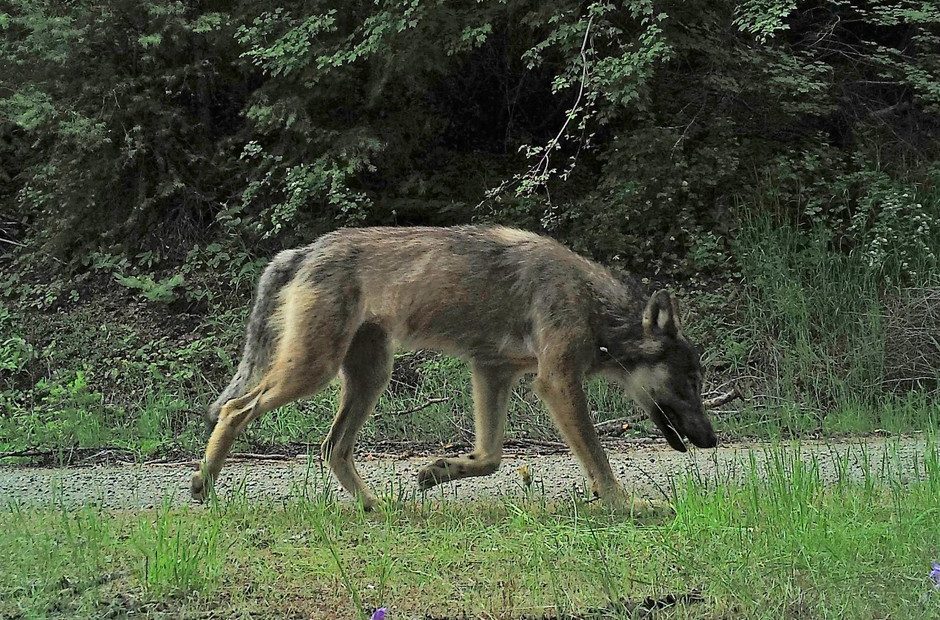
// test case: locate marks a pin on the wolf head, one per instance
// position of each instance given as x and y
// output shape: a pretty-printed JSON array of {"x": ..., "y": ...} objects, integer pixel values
[{"x": 665, "y": 378}]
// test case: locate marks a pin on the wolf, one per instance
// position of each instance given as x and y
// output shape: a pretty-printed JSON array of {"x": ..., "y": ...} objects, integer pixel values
[{"x": 511, "y": 302}]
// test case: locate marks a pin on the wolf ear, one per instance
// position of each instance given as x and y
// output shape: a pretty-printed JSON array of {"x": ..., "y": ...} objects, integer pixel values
[{"x": 661, "y": 314}]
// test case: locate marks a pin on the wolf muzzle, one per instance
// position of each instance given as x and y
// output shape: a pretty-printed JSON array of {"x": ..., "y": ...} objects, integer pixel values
[{"x": 696, "y": 427}]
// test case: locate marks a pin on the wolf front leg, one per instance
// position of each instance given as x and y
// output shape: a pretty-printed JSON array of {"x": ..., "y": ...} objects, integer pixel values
[
  {"x": 492, "y": 385},
  {"x": 563, "y": 394}
]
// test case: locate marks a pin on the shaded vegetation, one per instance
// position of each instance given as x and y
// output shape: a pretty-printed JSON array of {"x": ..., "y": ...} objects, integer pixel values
[
  {"x": 776, "y": 159},
  {"x": 133, "y": 124}
]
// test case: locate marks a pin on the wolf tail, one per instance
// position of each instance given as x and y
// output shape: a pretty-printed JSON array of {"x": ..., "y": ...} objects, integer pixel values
[{"x": 261, "y": 334}]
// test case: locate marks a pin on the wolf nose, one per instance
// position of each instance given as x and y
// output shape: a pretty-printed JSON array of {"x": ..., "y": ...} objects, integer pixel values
[{"x": 708, "y": 440}]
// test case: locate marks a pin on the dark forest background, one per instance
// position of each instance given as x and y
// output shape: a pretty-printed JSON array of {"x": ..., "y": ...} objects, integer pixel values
[{"x": 774, "y": 161}]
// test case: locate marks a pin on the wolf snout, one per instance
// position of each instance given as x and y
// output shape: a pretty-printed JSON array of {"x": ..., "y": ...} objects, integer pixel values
[
  {"x": 709, "y": 440},
  {"x": 702, "y": 435}
]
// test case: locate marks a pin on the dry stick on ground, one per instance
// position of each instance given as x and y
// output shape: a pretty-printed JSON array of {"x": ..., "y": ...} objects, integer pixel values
[
  {"x": 723, "y": 399},
  {"x": 234, "y": 457},
  {"x": 522, "y": 442},
  {"x": 249, "y": 456},
  {"x": 11, "y": 242},
  {"x": 428, "y": 403},
  {"x": 618, "y": 426},
  {"x": 28, "y": 453},
  {"x": 117, "y": 452},
  {"x": 70, "y": 452}
]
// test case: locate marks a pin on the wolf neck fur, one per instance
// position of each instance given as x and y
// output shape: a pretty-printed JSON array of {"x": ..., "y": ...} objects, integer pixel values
[{"x": 620, "y": 326}]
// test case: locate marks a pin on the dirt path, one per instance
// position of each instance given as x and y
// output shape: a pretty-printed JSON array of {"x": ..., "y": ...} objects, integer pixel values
[{"x": 648, "y": 469}]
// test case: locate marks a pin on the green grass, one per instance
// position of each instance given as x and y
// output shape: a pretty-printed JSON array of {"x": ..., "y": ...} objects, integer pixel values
[
  {"x": 821, "y": 327},
  {"x": 782, "y": 545},
  {"x": 916, "y": 411},
  {"x": 69, "y": 412}
]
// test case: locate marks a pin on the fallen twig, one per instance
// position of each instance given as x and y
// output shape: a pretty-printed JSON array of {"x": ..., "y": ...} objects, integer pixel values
[
  {"x": 11, "y": 242},
  {"x": 97, "y": 456},
  {"x": 723, "y": 399},
  {"x": 237, "y": 456},
  {"x": 70, "y": 455},
  {"x": 618, "y": 426},
  {"x": 251, "y": 456},
  {"x": 26, "y": 454},
  {"x": 535, "y": 443},
  {"x": 430, "y": 401}
]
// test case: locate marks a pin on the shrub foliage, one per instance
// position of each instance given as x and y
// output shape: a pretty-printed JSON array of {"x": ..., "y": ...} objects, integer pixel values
[
  {"x": 630, "y": 128},
  {"x": 153, "y": 152}
]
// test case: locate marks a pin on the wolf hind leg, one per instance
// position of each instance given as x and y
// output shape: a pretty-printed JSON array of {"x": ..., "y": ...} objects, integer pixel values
[
  {"x": 492, "y": 385},
  {"x": 365, "y": 373},
  {"x": 278, "y": 387},
  {"x": 308, "y": 356}
]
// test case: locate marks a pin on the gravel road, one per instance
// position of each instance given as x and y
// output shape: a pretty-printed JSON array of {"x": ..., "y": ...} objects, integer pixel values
[{"x": 649, "y": 469}]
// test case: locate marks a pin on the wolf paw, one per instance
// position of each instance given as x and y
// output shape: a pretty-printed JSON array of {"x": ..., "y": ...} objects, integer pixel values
[
  {"x": 432, "y": 475},
  {"x": 199, "y": 487},
  {"x": 368, "y": 501},
  {"x": 620, "y": 500}
]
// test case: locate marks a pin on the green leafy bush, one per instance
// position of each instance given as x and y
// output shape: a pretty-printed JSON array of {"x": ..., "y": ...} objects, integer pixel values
[
  {"x": 897, "y": 234},
  {"x": 162, "y": 291},
  {"x": 154, "y": 154},
  {"x": 629, "y": 129}
]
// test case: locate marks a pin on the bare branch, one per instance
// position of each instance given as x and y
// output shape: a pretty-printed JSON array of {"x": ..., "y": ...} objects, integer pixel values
[
  {"x": 430, "y": 402},
  {"x": 723, "y": 399},
  {"x": 543, "y": 164}
]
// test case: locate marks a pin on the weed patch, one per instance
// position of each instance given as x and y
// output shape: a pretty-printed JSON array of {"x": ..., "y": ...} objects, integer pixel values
[{"x": 783, "y": 542}]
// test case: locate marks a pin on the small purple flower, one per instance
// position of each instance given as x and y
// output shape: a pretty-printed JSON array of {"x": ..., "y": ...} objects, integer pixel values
[
  {"x": 935, "y": 574},
  {"x": 378, "y": 614}
]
